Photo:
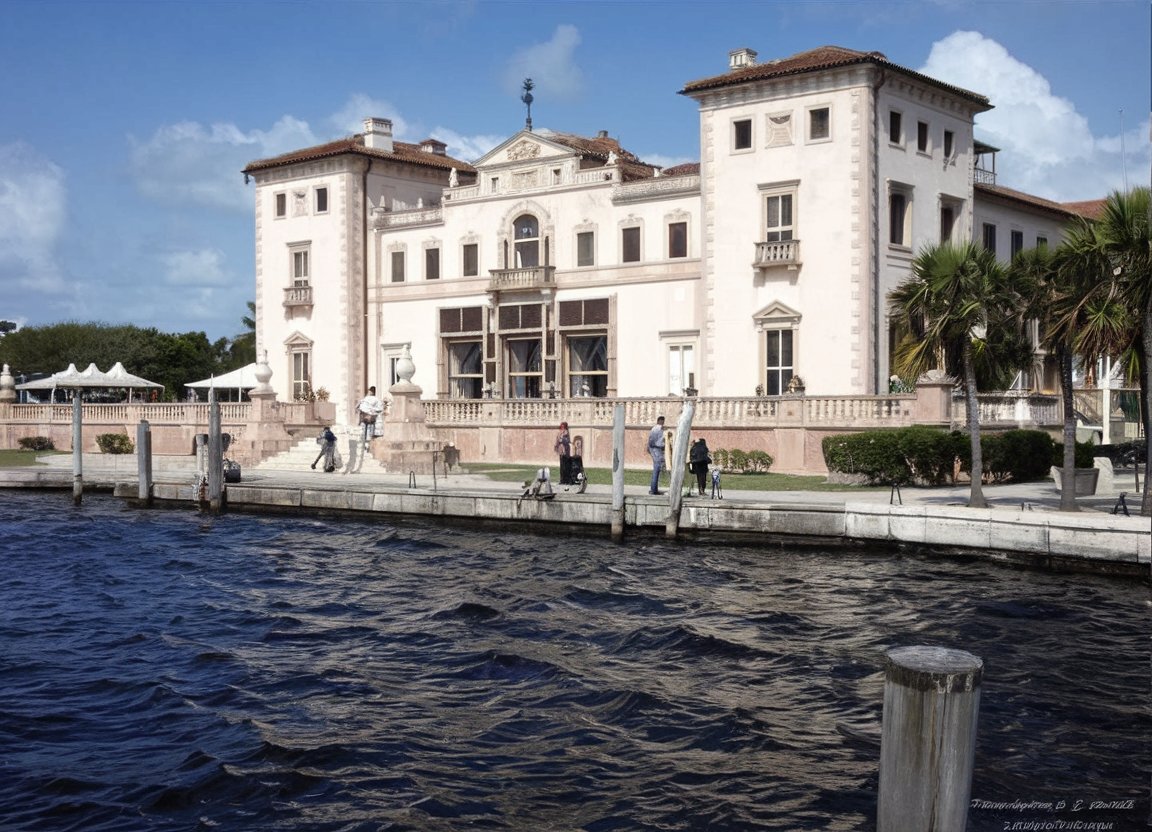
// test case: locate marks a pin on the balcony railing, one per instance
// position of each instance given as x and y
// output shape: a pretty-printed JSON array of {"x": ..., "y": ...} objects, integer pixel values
[
  {"x": 534, "y": 278},
  {"x": 298, "y": 296},
  {"x": 779, "y": 253},
  {"x": 983, "y": 177}
]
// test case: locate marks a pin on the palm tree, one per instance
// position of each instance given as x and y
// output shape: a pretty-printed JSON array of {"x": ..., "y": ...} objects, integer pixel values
[
  {"x": 243, "y": 348},
  {"x": 1123, "y": 234},
  {"x": 956, "y": 300},
  {"x": 1065, "y": 291}
]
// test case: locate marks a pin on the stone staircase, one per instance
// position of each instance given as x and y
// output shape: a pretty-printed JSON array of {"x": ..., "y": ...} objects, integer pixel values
[{"x": 303, "y": 453}]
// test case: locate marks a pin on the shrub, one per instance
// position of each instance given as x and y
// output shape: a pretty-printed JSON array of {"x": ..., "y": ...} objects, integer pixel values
[
  {"x": 1122, "y": 453},
  {"x": 720, "y": 459},
  {"x": 738, "y": 460},
  {"x": 760, "y": 461},
  {"x": 36, "y": 443},
  {"x": 1084, "y": 455},
  {"x": 873, "y": 454},
  {"x": 115, "y": 443},
  {"x": 1017, "y": 455},
  {"x": 930, "y": 454}
]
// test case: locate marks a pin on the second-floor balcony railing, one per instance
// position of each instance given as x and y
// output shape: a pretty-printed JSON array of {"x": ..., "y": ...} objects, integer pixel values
[
  {"x": 778, "y": 253},
  {"x": 533, "y": 278},
  {"x": 298, "y": 296}
]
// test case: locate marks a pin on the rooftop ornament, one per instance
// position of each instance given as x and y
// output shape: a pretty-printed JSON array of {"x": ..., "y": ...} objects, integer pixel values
[{"x": 526, "y": 97}]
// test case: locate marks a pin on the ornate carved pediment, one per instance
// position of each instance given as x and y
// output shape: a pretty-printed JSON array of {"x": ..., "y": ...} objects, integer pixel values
[{"x": 523, "y": 150}]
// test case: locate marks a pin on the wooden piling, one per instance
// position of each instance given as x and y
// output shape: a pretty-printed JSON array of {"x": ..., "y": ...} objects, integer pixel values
[
  {"x": 215, "y": 456},
  {"x": 676, "y": 468},
  {"x": 618, "y": 472},
  {"x": 77, "y": 448},
  {"x": 144, "y": 462},
  {"x": 928, "y": 739}
]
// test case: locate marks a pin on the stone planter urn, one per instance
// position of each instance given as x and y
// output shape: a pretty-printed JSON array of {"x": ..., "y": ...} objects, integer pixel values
[{"x": 1085, "y": 481}]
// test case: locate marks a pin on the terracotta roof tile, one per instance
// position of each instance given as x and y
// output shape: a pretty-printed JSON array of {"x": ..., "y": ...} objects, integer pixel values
[
  {"x": 631, "y": 166},
  {"x": 686, "y": 169},
  {"x": 816, "y": 60},
  {"x": 401, "y": 152},
  {"x": 1028, "y": 199},
  {"x": 1091, "y": 209}
]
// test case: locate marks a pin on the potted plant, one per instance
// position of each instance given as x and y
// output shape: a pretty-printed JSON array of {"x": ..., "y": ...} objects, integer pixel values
[{"x": 1086, "y": 475}]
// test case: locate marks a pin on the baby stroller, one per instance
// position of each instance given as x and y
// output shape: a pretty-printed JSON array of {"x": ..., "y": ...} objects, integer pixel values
[{"x": 577, "y": 474}]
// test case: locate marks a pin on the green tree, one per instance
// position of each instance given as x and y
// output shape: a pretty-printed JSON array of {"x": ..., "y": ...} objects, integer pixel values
[
  {"x": 1124, "y": 239},
  {"x": 1078, "y": 312},
  {"x": 956, "y": 304},
  {"x": 6, "y": 327},
  {"x": 243, "y": 347}
]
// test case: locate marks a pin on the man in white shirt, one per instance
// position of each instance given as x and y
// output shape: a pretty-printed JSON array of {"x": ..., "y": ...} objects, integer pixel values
[
  {"x": 656, "y": 451},
  {"x": 369, "y": 410}
]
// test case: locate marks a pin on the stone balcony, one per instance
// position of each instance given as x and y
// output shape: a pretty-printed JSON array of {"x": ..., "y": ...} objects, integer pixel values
[
  {"x": 539, "y": 277},
  {"x": 778, "y": 253},
  {"x": 298, "y": 296}
]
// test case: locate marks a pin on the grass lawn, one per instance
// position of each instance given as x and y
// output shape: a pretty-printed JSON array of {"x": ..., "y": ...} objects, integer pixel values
[
  {"x": 603, "y": 476},
  {"x": 20, "y": 458}
]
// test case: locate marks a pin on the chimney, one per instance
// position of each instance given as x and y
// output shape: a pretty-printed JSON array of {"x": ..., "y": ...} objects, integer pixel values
[
  {"x": 741, "y": 58},
  {"x": 603, "y": 134},
  {"x": 378, "y": 134}
]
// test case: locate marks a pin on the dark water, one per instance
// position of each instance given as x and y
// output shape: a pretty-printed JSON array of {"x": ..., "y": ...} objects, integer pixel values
[{"x": 162, "y": 670}]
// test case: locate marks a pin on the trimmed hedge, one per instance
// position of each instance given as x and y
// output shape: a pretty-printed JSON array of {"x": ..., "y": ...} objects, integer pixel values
[
  {"x": 115, "y": 443},
  {"x": 903, "y": 456},
  {"x": 36, "y": 443},
  {"x": 742, "y": 462}
]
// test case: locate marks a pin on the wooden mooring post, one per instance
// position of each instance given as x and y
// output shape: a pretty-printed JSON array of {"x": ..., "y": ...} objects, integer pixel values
[
  {"x": 215, "y": 456},
  {"x": 928, "y": 738},
  {"x": 676, "y": 469},
  {"x": 618, "y": 472},
  {"x": 144, "y": 462},
  {"x": 77, "y": 448}
]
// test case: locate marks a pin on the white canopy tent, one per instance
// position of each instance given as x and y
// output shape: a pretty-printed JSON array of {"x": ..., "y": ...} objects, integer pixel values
[
  {"x": 90, "y": 378},
  {"x": 243, "y": 378}
]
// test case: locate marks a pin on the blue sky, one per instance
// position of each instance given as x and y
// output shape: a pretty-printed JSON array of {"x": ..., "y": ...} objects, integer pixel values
[{"x": 126, "y": 122}]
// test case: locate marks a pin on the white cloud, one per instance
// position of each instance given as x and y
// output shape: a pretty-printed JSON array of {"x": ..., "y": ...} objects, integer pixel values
[
  {"x": 1048, "y": 147},
  {"x": 551, "y": 65},
  {"x": 33, "y": 208},
  {"x": 195, "y": 269},
  {"x": 349, "y": 119},
  {"x": 467, "y": 148},
  {"x": 189, "y": 161}
]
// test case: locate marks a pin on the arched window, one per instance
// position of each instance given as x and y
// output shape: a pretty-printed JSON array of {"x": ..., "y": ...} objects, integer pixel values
[{"x": 526, "y": 231}]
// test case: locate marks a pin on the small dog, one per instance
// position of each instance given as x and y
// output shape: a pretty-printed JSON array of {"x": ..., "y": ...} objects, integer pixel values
[{"x": 717, "y": 491}]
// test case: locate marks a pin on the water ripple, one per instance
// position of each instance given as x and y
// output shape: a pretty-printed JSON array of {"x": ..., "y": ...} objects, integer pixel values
[{"x": 165, "y": 670}]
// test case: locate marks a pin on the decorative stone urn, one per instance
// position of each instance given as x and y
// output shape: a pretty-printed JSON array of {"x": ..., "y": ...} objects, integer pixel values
[
  {"x": 7, "y": 386},
  {"x": 408, "y": 444}
]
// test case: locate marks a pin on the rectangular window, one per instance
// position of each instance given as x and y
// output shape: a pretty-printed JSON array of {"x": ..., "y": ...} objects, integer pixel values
[
  {"x": 588, "y": 365},
  {"x": 586, "y": 248},
  {"x": 281, "y": 205},
  {"x": 300, "y": 267},
  {"x": 895, "y": 127},
  {"x": 471, "y": 256},
  {"x": 321, "y": 200},
  {"x": 556, "y": 176},
  {"x": 778, "y": 218},
  {"x": 742, "y": 134},
  {"x": 947, "y": 222},
  {"x": 819, "y": 124},
  {"x": 677, "y": 239},
  {"x": 1041, "y": 242},
  {"x": 494, "y": 184},
  {"x": 1017, "y": 242},
  {"x": 465, "y": 370},
  {"x": 431, "y": 264},
  {"x": 525, "y": 368},
  {"x": 681, "y": 368},
  {"x": 778, "y": 371},
  {"x": 922, "y": 136},
  {"x": 630, "y": 245},
  {"x": 301, "y": 377},
  {"x": 990, "y": 237},
  {"x": 949, "y": 141},
  {"x": 397, "y": 267},
  {"x": 898, "y": 215}
]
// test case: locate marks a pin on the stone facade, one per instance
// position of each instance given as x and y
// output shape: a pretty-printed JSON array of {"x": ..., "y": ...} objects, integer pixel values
[{"x": 562, "y": 266}]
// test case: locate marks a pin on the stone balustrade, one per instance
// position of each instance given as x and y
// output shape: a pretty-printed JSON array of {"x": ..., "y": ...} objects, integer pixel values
[
  {"x": 407, "y": 218},
  {"x": 1016, "y": 408},
  {"x": 532, "y": 278},
  {"x": 779, "y": 253}
]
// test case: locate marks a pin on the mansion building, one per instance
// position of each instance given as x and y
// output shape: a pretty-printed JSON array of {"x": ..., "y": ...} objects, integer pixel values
[{"x": 561, "y": 265}]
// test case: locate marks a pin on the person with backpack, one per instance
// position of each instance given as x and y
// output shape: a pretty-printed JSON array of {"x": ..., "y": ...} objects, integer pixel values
[{"x": 327, "y": 442}]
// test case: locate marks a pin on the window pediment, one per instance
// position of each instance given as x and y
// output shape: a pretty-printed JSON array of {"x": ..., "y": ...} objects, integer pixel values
[{"x": 776, "y": 314}]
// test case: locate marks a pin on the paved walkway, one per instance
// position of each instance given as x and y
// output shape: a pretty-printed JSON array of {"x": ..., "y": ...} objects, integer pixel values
[{"x": 1037, "y": 496}]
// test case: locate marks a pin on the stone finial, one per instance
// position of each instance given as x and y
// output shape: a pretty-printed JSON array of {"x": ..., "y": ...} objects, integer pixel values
[
  {"x": 263, "y": 376},
  {"x": 7, "y": 386},
  {"x": 405, "y": 369}
]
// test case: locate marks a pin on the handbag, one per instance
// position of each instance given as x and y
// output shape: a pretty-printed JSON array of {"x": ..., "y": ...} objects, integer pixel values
[{"x": 367, "y": 418}]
